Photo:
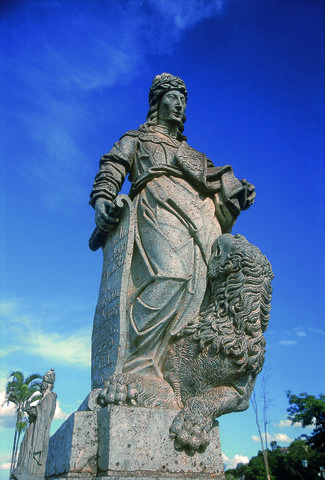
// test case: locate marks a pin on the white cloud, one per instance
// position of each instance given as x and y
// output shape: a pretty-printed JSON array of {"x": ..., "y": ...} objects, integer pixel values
[
  {"x": 186, "y": 13},
  {"x": 288, "y": 342},
  {"x": 59, "y": 414},
  {"x": 7, "y": 413},
  {"x": 233, "y": 462},
  {"x": 278, "y": 437},
  {"x": 282, "y": 437},
  {"x": 73, "y": 349},
  {"x": 287, "y": 423},
  {"x": 37, "y": 337},
  {"x": 5, "y": 466},
  {"x": 283, "y": 423},
  {"x": 301, "y": 334}
]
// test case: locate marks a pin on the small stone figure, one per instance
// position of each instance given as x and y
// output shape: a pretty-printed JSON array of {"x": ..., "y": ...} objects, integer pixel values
[{"x": 33, "y": 449}]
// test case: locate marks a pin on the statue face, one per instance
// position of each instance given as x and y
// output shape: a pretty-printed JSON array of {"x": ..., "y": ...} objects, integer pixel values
[{"x": 171, "y": 108}]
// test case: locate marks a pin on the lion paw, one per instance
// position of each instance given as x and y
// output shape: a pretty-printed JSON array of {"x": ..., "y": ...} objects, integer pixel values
[
  {"x": 190, "y": 431},
  {"x": 135, "y": 390},
  {"x": 120, "y": 390}
]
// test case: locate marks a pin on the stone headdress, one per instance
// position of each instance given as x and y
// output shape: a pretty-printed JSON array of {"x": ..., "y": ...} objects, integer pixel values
[
  {"x": 163, "y": 83},
  {"x": 49, "y": 377},
  {"x": 160, "y": 85}
]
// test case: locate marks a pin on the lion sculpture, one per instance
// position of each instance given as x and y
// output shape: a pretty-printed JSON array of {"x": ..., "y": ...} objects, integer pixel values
[{"x": 211, "y": 366}]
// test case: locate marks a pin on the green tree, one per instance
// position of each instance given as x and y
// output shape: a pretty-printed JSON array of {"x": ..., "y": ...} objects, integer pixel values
[
  {"x": 19, "y": 391},
  {"x": 256, "y": 469},
  {"x": 309, "y": 410}
]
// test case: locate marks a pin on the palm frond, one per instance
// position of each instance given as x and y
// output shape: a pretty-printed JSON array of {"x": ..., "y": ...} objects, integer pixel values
[
  {"x": 19, "y": 376},
  {"x": 32, "y": 377}
]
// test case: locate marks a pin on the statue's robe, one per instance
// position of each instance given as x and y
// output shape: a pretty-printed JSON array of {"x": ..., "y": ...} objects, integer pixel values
[
  {"x": 34, "y": 447},
  {"x": 174, "y": 190}
]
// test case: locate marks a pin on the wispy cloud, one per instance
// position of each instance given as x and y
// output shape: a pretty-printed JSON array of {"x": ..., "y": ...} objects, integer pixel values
[
  {"x": 39, "y": 336},
  {"x": 56, "y": 62},
  {"x": 301, "y": 334},
  {"x": 233, "y": 462},
  {"x": 288, "y": 342},
  {"x": 278, "y": 437},
  {"x": 317, "y": 331},
  {"x": 186, "y": 13}
]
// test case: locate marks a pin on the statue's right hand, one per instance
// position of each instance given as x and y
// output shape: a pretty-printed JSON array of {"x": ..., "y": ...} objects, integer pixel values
[{"x": 104, "y": 215}]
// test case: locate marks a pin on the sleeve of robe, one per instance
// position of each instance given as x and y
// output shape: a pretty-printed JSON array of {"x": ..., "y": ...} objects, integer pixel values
[{"x": 113, "y": 168}]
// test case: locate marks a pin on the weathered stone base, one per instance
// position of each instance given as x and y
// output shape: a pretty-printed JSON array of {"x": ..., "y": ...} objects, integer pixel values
[
  {"x": 73, "y": 448},
  {"x": 124, "y": 443},
  {"x": 152, "y": 476}
]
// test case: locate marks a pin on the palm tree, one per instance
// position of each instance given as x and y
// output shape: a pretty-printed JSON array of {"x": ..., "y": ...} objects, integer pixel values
[{"x": 19, "y": 391}]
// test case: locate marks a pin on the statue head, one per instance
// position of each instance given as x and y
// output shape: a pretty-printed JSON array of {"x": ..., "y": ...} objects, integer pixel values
[
  {"x": 48, "y": 381},
  {"x": 163, "y": 83}
]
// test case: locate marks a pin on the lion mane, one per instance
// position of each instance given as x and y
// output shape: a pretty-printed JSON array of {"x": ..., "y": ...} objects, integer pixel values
[{"x": 239, "y": 305}]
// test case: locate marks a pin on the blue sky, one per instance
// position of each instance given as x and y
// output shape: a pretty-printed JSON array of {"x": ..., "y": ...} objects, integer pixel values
[{"x": 74, "y": 77}]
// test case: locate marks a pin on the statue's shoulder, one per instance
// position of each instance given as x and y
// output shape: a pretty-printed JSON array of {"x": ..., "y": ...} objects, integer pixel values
[{"x": 131, "y": 133}]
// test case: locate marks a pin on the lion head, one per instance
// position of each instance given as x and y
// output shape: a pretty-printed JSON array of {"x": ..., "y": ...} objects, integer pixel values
[{"x": 240, "y": 301}]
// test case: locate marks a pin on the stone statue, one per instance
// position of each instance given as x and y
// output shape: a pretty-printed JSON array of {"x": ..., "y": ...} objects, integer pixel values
[
  {"x": 34, "y": 447},
  {"x": 178, "y": 336}
]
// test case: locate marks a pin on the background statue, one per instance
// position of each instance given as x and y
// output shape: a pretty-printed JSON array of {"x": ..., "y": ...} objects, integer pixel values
[
  {"x": 182, "y": 204},
  {"x": 33, "y": 449}
]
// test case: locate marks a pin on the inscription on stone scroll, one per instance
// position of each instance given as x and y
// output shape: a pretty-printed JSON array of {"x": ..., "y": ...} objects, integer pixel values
[{"x": 109, "y": 330}]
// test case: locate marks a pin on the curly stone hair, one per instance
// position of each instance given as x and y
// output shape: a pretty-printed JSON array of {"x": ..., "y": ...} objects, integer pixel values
[
  {"x": 162, "y": 84},
  {"x": 239, "y": 309}
]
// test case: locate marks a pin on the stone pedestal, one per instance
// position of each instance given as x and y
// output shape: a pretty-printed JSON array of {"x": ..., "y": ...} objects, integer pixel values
[
  {"x": 73, "y": 448},
  {"x": 127, "y": 443}
]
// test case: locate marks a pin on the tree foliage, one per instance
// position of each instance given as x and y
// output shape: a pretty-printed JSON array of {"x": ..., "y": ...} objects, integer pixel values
[
  {"x": 284, "y": 464},
  {"x": 287, "y": 463},
  {"x": 20, "y": 391},
  {"x": 310, "y": 411}
]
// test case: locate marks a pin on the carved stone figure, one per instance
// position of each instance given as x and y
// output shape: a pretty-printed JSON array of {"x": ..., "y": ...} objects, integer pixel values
[
  {"x": 179, "y": 205},
  {"x": 213, "y": 362},
  {"x": 34, "y": 447}
]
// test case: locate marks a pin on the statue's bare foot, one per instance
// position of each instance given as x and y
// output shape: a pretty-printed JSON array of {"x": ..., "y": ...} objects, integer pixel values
[
  {"x": 190, "y": 431},
  {"x": 135, "y": 390}
]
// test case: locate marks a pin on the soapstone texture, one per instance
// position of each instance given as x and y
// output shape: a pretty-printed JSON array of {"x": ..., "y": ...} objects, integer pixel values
[
  {"x": 126, "y": 442},
  {"x": 163, "y": 303},
  {"x": 137, "y": 440},
  {"x": 109, "y": 329}
]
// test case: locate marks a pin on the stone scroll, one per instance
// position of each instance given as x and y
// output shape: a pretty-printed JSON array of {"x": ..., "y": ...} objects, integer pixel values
[{"x": 110, "y": 328}]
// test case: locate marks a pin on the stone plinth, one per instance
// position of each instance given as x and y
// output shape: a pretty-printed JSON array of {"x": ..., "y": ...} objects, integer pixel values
[
  {"x": 135, "y": 443},
  {"x": 124, "y": 443},
  {"x": 73, "y": 448}
]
